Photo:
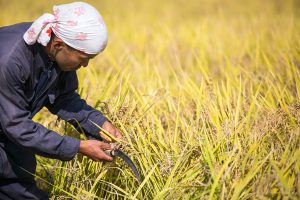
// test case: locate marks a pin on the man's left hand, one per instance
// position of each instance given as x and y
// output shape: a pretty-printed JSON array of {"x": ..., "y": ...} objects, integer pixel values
[{"x": 107, "y": 126}]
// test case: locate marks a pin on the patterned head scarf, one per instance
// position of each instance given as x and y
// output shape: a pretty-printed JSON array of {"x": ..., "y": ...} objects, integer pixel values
[{"x": 78, "y": 24}]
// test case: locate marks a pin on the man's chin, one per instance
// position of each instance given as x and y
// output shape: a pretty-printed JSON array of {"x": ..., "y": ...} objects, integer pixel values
[{"x": 67, "y": 69}]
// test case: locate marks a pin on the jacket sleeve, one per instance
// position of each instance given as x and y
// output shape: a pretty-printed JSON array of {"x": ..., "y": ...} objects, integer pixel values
[
  {"x": 70, "y": 107},
  {"x": 17, "y": 125}
]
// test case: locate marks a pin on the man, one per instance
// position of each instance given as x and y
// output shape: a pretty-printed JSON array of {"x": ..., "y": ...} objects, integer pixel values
[{"x": 38, "y": 63}]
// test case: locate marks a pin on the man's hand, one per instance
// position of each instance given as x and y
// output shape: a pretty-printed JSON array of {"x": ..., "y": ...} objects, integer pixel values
[
  {"x": 107, "y": 126},
  {"x": 94, "y": 150}
]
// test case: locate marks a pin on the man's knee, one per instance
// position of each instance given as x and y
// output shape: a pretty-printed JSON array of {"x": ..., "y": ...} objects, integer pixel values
[{"x": 21, "y": 190}]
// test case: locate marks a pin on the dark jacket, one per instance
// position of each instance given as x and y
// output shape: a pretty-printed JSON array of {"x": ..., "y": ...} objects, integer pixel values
[{"x": 28, "y": 82}]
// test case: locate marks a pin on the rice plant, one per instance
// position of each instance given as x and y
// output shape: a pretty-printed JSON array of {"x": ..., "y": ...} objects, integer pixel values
[{"x": 206, "y": 94}]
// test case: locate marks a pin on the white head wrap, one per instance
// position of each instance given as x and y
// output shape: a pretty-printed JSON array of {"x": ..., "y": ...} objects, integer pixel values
[{"x": 78, "y": 24}]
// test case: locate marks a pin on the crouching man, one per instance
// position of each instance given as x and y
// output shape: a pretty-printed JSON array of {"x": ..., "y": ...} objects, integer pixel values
[{"x": 38, "y": 63}]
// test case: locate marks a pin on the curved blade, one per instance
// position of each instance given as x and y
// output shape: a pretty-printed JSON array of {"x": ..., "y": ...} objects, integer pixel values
[{"x": 129, "y": 162}]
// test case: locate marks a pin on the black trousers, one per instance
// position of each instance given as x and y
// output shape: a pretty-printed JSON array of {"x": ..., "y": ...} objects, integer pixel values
[
  {"x": 16, "y": 189},
  {"x": 15, "y": 183}
]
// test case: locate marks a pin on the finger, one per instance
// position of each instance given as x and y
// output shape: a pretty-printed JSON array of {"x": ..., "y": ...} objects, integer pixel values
[
  {"x": 118, "y": 146},
  {"x": 104, "y": 136},
  {"x": 106, "y": 157},
  {"x": 113, "y": 145},
  {"x": 118, "y": 134},
  {"x": 104, "y": 145}
]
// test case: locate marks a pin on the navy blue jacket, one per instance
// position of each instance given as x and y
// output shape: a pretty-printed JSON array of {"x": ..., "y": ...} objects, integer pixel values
[{"x": 28, "y": 82}]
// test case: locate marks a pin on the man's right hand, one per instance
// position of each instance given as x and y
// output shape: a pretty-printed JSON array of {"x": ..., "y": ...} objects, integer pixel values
[{"x": 94, "y": 150}]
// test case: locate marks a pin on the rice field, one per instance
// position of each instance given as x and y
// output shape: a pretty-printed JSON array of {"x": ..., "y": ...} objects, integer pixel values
[{"x": 205, "y": 92}]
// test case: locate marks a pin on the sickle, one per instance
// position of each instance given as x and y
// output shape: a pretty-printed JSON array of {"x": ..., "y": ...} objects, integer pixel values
[{"x": 129, "y": 162}]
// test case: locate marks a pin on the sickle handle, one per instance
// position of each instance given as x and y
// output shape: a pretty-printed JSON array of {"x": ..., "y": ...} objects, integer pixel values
[{"x": 111, "y": 153}]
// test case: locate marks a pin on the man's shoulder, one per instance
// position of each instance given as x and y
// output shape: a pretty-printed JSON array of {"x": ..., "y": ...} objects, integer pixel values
[
  {"x": 13, "y": 49},
  {"x": 11, "y": 40},
  {"x": 11, "y": 35},
  {"x": 15, "y": 28},
  {"x": 15, "y": 31}
]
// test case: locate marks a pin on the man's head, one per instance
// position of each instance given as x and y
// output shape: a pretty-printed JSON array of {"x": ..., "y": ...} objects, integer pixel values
[
  {"x": 66, "y": 57},
  {"x": 73, "y": 34}
]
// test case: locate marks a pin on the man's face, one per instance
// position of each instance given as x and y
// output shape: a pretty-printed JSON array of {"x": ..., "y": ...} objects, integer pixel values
[{"x": 69, "y": 59}]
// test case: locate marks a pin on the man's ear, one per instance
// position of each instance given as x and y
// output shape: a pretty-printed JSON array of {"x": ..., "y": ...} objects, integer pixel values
[{"x": 57, "y": 44}]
